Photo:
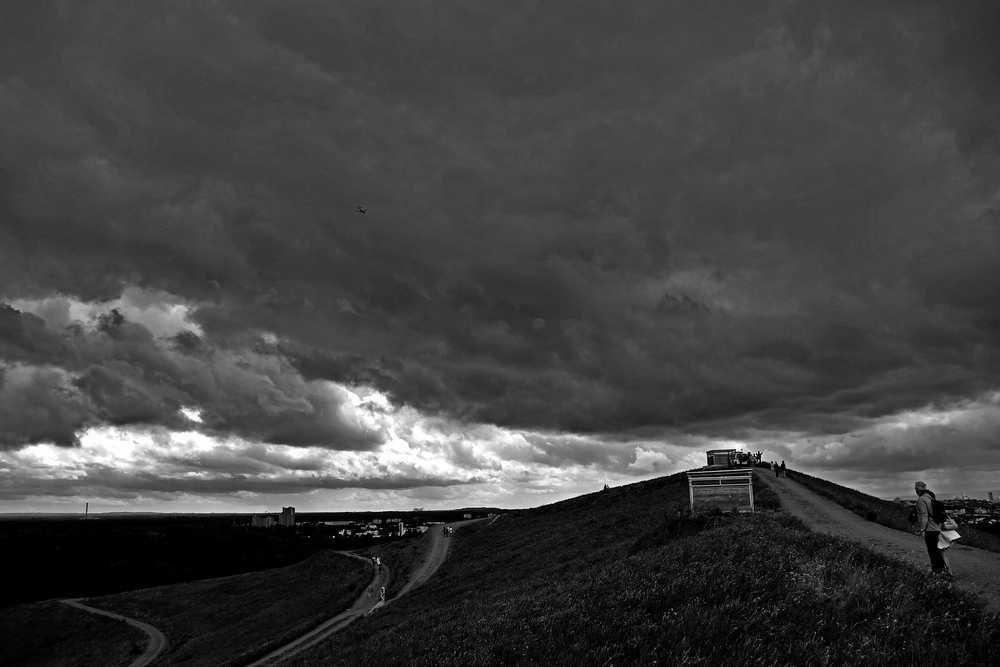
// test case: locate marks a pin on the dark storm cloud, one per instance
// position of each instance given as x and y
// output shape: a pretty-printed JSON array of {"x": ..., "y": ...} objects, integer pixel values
[
  {"x": 580, "y": 217},
  {"x": 39, "y": 405},
  {"x": 116, "y": 372}
]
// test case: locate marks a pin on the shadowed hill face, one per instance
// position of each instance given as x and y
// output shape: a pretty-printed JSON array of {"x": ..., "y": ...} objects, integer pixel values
[{"x": 619, "y": 578}]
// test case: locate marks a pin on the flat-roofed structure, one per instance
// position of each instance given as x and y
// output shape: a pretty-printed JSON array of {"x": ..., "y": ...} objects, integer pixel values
[
  {"x": 721, "y": 488},
  {"x": 719, "y": 457}
]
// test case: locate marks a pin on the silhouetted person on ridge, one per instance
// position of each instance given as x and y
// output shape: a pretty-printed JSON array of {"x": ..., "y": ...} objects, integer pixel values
[{"x": 781, "y": 469}]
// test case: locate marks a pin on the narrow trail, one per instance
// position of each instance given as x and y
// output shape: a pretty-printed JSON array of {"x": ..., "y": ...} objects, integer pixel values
[
  {"x": 437, "y": 551},
  {"x": 362, "y": 606},
  {"x": 157, "y": 641},
  {"x": 975, "y": 570},
  {"x": 436, "y": 554}
]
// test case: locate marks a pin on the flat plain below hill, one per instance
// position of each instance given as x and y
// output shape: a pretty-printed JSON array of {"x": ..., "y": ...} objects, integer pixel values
[
  {"x": 229, "y": 621},
  {"x": 624, "y": 577}
]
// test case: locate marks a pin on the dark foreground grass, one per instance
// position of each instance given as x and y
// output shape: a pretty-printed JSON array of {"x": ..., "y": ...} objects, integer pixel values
[
  {"x": 626, "y": 578},
  {"x": 884, "y": 512},
  {"x": 232, "y": 620},
  {"x": 52, "y": 634}
]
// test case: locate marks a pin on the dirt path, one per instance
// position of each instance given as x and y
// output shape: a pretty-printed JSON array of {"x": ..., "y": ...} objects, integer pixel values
[
  {"x": 436, "y": 554},
  {"x": 975, "y": 570},
  {"x": 157, "y": 642},
  {"x": 437, "y": 551},
  {"x": 362, "y": 606}
]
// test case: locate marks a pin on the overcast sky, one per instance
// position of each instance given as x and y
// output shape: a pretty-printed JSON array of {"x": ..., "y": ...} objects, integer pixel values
[{"x": 599, "y": 240}]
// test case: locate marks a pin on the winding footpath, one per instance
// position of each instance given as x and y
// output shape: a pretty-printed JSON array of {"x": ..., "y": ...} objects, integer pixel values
[
  {"x": 436, "y": 555},
  {"x": 157, "y": 642},
  {"x": 362, "y": 606},
  {"x": 437, "y": 551},
  {"x": 975, "y": 570}
]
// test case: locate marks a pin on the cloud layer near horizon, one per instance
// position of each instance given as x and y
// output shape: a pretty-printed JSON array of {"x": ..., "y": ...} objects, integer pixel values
[{"x": 641, "y": 223}]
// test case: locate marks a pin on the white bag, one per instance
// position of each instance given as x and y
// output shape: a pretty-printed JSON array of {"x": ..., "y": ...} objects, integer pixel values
[{"x": 946, "y": 537}]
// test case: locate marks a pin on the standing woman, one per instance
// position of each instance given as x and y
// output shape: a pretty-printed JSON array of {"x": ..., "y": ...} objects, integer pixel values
[{"x": 928, "y": 527}]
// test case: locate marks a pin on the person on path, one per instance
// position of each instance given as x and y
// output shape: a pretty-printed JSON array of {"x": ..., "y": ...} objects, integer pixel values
[
  {"x": 382, "y": 594},
  {"x": 378, "y": 565},
  {"x": 369, "y": 592},
  {"x": 929, "y": 528},
  {"x": 782, "y": 469},
  {"x": 774, "y": 468}
]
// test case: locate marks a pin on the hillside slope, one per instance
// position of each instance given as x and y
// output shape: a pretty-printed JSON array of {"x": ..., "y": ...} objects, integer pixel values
[{"x": 622, "y": 577}]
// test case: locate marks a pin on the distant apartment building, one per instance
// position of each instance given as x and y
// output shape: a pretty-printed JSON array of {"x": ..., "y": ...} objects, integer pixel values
[
  {"x": 262, "y": 521},
  {"x": 287, "y": 517}
]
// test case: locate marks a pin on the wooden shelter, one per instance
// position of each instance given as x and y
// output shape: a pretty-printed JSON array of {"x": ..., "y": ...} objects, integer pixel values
[{"x": 721, "y": 487}]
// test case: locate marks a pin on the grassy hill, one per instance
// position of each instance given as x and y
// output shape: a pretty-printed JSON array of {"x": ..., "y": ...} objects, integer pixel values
[{"x": 625, "y": 577}]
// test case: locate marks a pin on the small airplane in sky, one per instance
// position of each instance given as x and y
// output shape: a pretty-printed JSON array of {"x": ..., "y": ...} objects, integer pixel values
[{"x": 361, "y": 210}]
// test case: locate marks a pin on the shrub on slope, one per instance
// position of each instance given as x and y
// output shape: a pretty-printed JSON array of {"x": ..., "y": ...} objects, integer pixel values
[{"x": 624, "y": 577}]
